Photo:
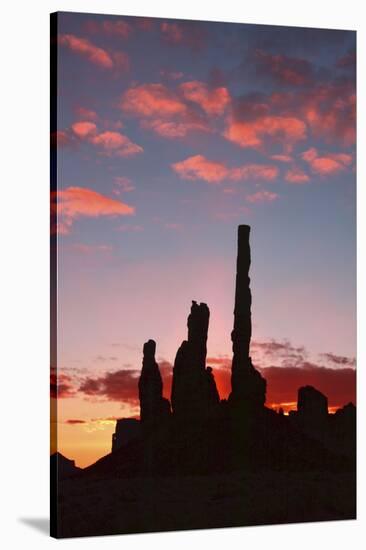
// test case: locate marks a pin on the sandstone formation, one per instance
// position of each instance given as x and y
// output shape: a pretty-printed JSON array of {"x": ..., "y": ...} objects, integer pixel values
[
  {"x": 248, "y": 385},
  {"x": 154, "y": 407},
  {"x": 194, "y": 392}
]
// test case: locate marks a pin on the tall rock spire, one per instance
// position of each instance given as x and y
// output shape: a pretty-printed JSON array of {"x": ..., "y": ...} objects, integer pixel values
[
  {"x": 153, "y": 406},
  {"x": 242, "y": 331},
  {"x": 248, "y": 386},
  {"x": 194, "y": 393}
]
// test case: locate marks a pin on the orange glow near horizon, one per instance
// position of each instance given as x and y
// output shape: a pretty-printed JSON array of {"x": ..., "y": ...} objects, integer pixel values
[{"x": 86, "y": 439}]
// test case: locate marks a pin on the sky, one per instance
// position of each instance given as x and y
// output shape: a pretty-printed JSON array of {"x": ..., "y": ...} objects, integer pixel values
[{"x": 170, "y": 134}]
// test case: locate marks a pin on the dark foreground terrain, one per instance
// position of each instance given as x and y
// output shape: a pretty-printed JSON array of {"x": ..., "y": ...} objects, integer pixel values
[{"x": 92, "y": 506}]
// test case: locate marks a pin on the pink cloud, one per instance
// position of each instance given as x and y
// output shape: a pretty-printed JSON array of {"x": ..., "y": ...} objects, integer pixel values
[
  {"x": 152, "y": 99},
  {"x": 110, "y": 143},
  {"x": 213, "y": 101},
  {"x": 282, "y": 158},
  {"x": 344, "y": 158},
  {"x": 83, "y": 129},
  {"x": 84, "y": 47},
  {"x": 287, "y": 129},
  {"x": 115, "y": 143},
  {"x": 174, "y": 128},
  {"x": 330, "y": 111},
  {"x": 162, "y": 110},
  {"x": 117, "y": 60},
  {"x": 254, "y": 171},
  {"x": 296, "y": 175},
  {"x": 330, "y": 163},
  {"x": 262, "y": 196},
  {"x": 326, "y": 165},
  {"x": 310, "y": 154},
  {"x": 73, "y": 203},
  {"x": 198, "y": 167},
  {"x": 325, "y": 111}
]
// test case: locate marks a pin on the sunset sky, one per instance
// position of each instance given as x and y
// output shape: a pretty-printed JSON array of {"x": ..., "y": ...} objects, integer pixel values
[{"x": 171, "y": 134}]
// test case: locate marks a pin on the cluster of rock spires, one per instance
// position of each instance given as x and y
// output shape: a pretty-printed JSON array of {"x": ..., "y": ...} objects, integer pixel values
[
  {"x": 194, "y": 392},
  {"x": 241, "y": 426}
]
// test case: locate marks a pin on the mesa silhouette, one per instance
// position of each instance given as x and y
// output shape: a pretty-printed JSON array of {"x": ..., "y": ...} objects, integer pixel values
[{"x": 242, "y": 462}]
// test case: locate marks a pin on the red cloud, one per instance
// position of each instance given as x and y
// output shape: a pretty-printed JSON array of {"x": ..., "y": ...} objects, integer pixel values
[
  {"x": 119, "y": 385},
  {"x": 293, "y": 370},
  {"x": 287, "y": 129},
  {"x": 74, "y": 421},
  {"x": 262, "y": 196},
  {"x": 283, "y": 380},
  {"x": 213, "y": 101},
  {"x": 296, "y": 175},
  {"x": 75, "y": 202},
  {"x": 61, "y": 385},
  {"x": 326, "y": 164},
  {"x": 60, "y": 138},
  {"x": 339, "y": 385},
  {"x": 284, "y": 69},
  {"x": 96, "y": 55},
  {"x": 198, "y": 167}
]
